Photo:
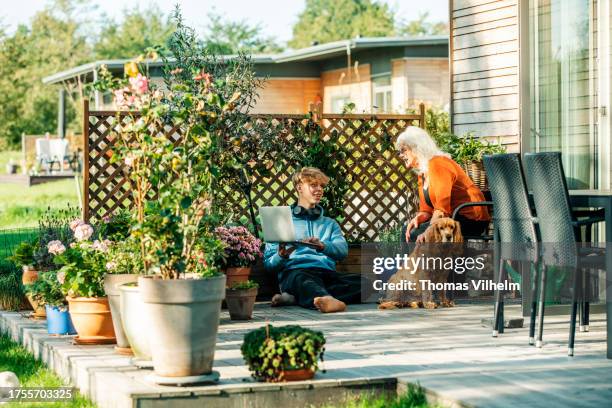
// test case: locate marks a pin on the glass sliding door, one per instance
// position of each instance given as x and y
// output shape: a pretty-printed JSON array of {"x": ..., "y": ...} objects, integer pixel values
[{"x": 562, "y": 87}]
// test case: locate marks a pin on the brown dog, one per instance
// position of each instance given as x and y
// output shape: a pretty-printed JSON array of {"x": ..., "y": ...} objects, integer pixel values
[{"x": 443, "y": 231}]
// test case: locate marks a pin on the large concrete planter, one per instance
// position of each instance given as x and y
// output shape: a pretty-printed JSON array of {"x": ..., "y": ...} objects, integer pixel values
[
  {"x": 184, "y": 318},
  {"x": 28, "y": 277},
  {"x": 111, "y": 287},
  {"x": 92, "y": 320},
  {"x": 135, "y": 321}
]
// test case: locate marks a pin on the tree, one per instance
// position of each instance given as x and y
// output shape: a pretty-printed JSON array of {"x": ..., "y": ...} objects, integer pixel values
[
  {"x": 230, "y": 37},
  {"x": 137, "y": 31},
  {"x": 51, "y": 43},
  {"x": 331, "y": 20},
  {"x": 421, "y": 26}
]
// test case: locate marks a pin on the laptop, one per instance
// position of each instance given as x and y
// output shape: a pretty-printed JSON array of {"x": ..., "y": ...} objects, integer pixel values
[{"x": 277, "y": 226}]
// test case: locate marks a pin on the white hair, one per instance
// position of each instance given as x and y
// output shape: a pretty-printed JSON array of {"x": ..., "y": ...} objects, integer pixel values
[{"x": 421, "y": 144}]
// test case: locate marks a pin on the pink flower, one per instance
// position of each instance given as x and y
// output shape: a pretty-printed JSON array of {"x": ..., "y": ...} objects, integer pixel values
[
  {"x": 56, "y": 247},
  {"x": 101, "y": 246},
  {"x": 83, "y": 232},
  {"x": 61, "y": 277},
  {"x": 140, "y": 84},
  {"x": 111, "y": 265},
  {"x": 129, "y": 160},
  {"x": 119, "y": 97},
  {"x": 75, "y": 224}
]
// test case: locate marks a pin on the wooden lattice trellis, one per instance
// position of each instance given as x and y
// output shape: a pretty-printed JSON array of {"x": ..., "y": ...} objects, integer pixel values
[{"x": 381, "y": 191}]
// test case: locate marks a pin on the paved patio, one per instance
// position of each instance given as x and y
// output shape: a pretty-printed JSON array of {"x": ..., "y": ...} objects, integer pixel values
[{"x": 447, "y": 351}]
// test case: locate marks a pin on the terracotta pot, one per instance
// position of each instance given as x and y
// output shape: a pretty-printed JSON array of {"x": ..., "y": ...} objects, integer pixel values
[
  {"x": 300, "y": 374},
  {"x": 30, "y": 276},
  {"x": 240, "y": 303},
  {"x": 92, "y": 320},
  {"x": 237, "y": 274},
  {"x": 135, "y": 322},
  {"x": 184, "y": 318},
  {"x": 111, "y": 287}
]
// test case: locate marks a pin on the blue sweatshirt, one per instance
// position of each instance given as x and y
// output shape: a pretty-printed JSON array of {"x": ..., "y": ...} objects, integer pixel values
[{"x": 324, "y": 228}]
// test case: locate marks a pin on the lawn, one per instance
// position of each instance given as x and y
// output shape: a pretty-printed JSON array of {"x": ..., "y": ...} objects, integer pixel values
[
  {"x": 22, "y": 206},
  {"x": 33, "y": 373},
  {"x": 413, "y": 398}
]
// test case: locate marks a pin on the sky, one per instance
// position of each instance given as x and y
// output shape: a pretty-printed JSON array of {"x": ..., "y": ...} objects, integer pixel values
[{"x": 276, "y": 17}]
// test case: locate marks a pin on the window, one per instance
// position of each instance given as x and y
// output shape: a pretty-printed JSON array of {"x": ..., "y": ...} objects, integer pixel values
[
  {"x": 338, "y": 102},
  {"x": 381, "y": 94}
]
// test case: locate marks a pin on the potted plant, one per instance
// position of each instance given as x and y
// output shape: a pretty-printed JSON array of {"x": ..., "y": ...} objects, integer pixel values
[
  {"x": 47, "y": 291},
  {"x": 83, "y": 267},
  {"x": 24, "y": 256},
  {"x": 33, "y": 256},
  {"x": 240, "y": 298},
  {"x": 288, "y": 353},
  {"x": 241, "y": 250},
  {"x": 123, "y": 265}
]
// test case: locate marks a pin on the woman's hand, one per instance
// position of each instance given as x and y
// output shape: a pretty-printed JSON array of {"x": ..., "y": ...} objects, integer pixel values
[{"x": 418, "y": 219}]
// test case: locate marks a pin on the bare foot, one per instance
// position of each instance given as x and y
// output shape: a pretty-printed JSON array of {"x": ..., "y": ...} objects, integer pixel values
[
  {"x": 430, "y": 305},
  {"x": 329, "y": 304},
  {"x": 283, "y": 299}
]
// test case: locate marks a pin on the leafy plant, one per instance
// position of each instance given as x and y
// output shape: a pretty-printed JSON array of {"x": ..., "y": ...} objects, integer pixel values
[
  {"x": 207, "y": 100},
  {"x": 470, "y": 148},
  {"x": 268, "y": 351},
  {"x": 53, "y": 226},
  {"x": 24, "y": 253},
  {"x": 47, "y": 290},
  {"x": 83, "y": 263},
  {"x": 11, "y": 289},
  {"x": 124, "y": 257},
  {"x": 249, "y": 284},
  {"x": 115, "y": 227}
]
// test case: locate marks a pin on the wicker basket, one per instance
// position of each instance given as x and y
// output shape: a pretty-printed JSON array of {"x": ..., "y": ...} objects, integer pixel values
[{"x": 475, "y": 170}]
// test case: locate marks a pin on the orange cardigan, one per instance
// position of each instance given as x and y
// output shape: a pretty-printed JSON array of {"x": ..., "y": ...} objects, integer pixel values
[{"x": 449, "y": 187}]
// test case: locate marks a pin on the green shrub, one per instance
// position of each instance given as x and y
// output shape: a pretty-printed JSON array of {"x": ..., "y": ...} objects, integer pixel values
[
  {"x": 268, "y": 351},
  {"x": 47, "y": 290},
  {"x": 244, "y": 285}
]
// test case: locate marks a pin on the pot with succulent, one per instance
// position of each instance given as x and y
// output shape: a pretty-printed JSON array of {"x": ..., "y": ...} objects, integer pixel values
[
  {"x": 81, "y": 274},
  {"x": 240, "y": 298},
  {"x": 123, "y": 264},
  {"x": 288, "y": 353},
  {"x": 241, "y": 251},
  {"x": 47, "y": 291}
]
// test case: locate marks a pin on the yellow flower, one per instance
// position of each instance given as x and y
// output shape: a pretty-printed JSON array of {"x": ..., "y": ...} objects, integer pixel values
[{"x": 131, "y": 69}]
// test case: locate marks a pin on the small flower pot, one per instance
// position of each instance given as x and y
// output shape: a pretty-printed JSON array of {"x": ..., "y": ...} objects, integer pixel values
[
  {"x": 240, "y": 303},
  {"x": 58, "y": 320},
  {"x": 30, "y": 276},
  {"x": 301, "y": 374},
  {"x": 92, "y": 320},
  {"x": 236, "y": 274}
]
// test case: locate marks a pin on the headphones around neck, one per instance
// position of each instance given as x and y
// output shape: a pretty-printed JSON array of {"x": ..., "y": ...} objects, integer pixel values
[{"x": 308, "y": 213}]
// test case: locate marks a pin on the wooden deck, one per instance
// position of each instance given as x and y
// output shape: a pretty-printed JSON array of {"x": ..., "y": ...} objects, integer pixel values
[
  {"x": 28, "y": 180},
  {"x": 447, "y": 351}
]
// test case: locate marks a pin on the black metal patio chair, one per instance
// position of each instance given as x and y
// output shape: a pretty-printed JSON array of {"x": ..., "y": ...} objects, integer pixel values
[
  {"x": 560, "y": 234},
  {"x": 515, "y": 231}
]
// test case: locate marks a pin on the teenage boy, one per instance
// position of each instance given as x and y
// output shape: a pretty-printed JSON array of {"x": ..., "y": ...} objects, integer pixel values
[{"x": 309, "y": 274}]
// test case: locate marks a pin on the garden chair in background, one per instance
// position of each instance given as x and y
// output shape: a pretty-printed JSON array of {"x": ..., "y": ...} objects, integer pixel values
[{"x": 560, "y": 234}]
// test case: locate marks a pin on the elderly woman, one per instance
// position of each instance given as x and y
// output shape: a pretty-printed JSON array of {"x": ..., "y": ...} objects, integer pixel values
[{"x": 443, "y": 186}]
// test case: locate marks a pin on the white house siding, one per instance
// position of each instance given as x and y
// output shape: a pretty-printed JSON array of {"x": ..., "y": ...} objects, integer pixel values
[{"x": 485, "y": 69}]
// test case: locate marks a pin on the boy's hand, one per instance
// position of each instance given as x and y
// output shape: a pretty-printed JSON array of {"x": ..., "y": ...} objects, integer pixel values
[
  {"x": 285, "y": 252},
  {"x": 315, "y": 241}
]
